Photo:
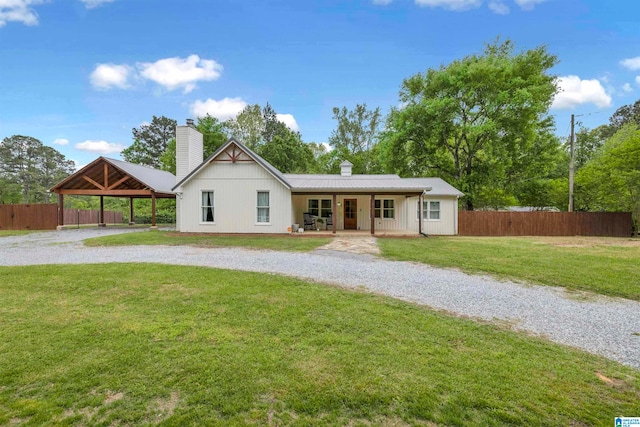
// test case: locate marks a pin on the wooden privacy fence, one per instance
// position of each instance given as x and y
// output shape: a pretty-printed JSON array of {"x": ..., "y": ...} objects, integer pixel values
[
  {"x": 79, "y": 216},
  {"x": 491, "y": 223},
  {"x": 28, "y": 217}
]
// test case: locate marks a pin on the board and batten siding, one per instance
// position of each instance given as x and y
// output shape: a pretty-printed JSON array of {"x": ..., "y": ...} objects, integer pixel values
[
  {"x": 235, "y": 187},
  {"x": 300, "y": 206},
  {"x": 446, "y": 225}
]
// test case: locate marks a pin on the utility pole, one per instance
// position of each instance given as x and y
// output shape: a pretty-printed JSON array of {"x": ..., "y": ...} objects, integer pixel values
[{"x": 571, "y": 164}]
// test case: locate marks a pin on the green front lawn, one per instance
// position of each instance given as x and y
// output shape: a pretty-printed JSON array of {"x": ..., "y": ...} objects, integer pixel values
[
  {"x": 154, "y": 237},
  {"x": 131, "y": 344},
  {"x": 8, "y": 233},
  {"x": 606, "y": 266}
]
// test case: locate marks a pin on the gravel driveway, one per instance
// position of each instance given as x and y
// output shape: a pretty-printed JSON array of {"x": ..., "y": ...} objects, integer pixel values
[{"x": 606, "y": 326}]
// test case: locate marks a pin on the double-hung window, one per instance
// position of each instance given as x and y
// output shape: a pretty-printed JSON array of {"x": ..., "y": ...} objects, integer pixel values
[
  {"x": 384, "y": 209},
  {"x": 207, "y": 207},
  {"x": 430, "y": 210},
  {"x": 264, "y": 210},
  {"x": 321, "y": 208}
]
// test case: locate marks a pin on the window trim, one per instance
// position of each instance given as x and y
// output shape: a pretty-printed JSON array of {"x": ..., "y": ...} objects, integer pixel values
[
  {"x": 319, "y": 208},
  {"x": 258, "y": 207},
  {"x": 427, "y": 212},
  {"x": 213, "y": 208},
  {"x": 379, "y": 209}
]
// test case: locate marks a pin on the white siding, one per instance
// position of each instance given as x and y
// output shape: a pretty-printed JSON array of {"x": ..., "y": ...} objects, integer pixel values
[
  {"x": 446, "y": 225},
  {"x": 300, "y": 206},
  {"x": 189, "y": 150},
  {"x": 235, "y": 187}
]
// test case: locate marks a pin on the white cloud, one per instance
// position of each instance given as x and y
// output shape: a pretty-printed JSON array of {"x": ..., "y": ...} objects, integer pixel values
[
  {"x": 61, "y": 141},
  {"x": 574, "y": 92},
  {"x": 288, "y": 120},
  {"x": 224, "y": 109},
  {"x": 382, "y": 2},
  {"x": 499, "y": 7},
  {"x": 631, "y": 63},
  {"x": 78, "y": 165},
  {"x": 107, "y": 76},
  {"x": 174, "y": 73},
  {"x": 100, "y": 147},
  {"x": 326, "y": 146},
  {"x": 91, "y": 4},
  {"x": 18, "y": 11},
  {"x": 627, "y": 88},
  {"x": 458, "y": 5},
  {"x": 528, "y": 4}
]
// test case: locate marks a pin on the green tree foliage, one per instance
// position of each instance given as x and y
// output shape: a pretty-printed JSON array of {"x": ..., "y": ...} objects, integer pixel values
[
  {"x": 624, "y": 115},
  {"x": 29, "y": 168},
  {"x": 476, "y": 121},
  {"x": 287, "y": 152},
  {"x": 354, "y": 139},
  {"x": 587, "y": 143},
  {"x": 248, "y": 126},
  {"x": 611, "y": 180},
  {"x": 213, "y": 136},
  {"x": 150, "y": 141}
]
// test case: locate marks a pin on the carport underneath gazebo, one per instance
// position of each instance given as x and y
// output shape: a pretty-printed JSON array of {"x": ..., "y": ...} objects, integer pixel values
[{"x": 116, "y": 178}]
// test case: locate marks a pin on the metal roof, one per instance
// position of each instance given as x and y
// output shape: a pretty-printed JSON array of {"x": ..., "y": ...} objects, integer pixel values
[
  {"x": 369, "y": 183},
  {"x": 157, "y": 180},
  {"x": 337, "y": 183}
]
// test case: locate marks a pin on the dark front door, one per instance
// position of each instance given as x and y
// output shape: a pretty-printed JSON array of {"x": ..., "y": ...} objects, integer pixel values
[{"x": 350, "y": 214}]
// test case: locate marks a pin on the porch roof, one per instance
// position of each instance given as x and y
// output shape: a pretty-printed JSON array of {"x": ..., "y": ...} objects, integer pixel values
[{"x": 368, "y": 184}]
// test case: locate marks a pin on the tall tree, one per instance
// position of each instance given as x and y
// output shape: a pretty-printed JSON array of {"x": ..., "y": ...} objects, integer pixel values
[
  {"x": 611, "y": 180},
  {"x": 355, "y": 136},
  {"x": 248, "y": 126},
  {"x": 472, "y": 122},
  {"x": 287, "y": 152},
  {"x": 34, "y": 167},
  {"x": 624, "y": 115},
  {"x": 150, "y": 141}
]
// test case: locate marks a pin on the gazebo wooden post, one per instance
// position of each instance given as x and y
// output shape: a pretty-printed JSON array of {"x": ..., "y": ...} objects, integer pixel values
[
  {"x": 334, "y": 215},
  {"x": 420, "y": 214},
  {"x": 372, "y": 213},
  {"x": 101, "y": 222},
  {"x": 131, "y": 220},
  {"x": 60, "y": 211},
  {"x": 153, "y": 210}
]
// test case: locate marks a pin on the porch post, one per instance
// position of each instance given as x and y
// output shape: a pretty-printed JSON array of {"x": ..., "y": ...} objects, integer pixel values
[
  {"x": 372, "y": 213},
  {"x": 334, "y": 219},
  {"x": 131, "y": 220},
  {"x": 153, "y": 210},
  {"x": 60, "y": 210},
  {"x": 420, "y": 214},
  {"x": 101, "y": 222}
]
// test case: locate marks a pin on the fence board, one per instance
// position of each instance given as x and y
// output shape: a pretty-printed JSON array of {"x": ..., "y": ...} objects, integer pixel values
[
  {"x": 79, "y": 216},
  {"x": 491, "y": 223},
  {"x": 28, "y": 217}
]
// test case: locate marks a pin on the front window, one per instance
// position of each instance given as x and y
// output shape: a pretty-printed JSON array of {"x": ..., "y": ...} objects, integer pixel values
[
  {"x": 207, "y": 206},
  {"x": 430, "y": 210},
  {"x": 325, "y": 208},
  {"x": 313, "y": 207},
  {"x": 388, "y": 211},
  {"x": 263, "y": 206},
  {"x": 377, "y": 204}
]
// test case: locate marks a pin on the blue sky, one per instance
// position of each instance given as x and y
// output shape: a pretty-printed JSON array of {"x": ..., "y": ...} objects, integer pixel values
[{"x": 79, "y": 74}]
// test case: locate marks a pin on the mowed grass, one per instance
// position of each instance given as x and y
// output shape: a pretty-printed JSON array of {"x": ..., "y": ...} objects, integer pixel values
[
  {"x": 154, "y": 237},
  {"x": 606, "y": 266},
  {"x": 132, "y": 344},
  {"x": 9, "y": 233}
]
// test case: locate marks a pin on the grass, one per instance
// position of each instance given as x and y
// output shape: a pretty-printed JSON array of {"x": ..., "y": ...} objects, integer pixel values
[
  {"x": 9, "y": 233},
  {"x": 603, "y": 265},
  {"x": 154, "y": 344},
  {"x": 154, "y": 237}
]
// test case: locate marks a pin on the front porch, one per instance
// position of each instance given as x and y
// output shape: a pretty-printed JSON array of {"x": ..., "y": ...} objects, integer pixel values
[{"x": 366, "y": 214}]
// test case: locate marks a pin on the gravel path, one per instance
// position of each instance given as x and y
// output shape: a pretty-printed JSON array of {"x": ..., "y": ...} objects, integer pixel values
[{"x": 606, "y": 326}]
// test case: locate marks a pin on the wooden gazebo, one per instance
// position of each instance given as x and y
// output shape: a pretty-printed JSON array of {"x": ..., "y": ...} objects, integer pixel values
[{"x": 116, "y": 178}]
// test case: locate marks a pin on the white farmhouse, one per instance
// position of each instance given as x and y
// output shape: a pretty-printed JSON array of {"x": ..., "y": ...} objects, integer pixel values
[{"x": 237, "y": 191}]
